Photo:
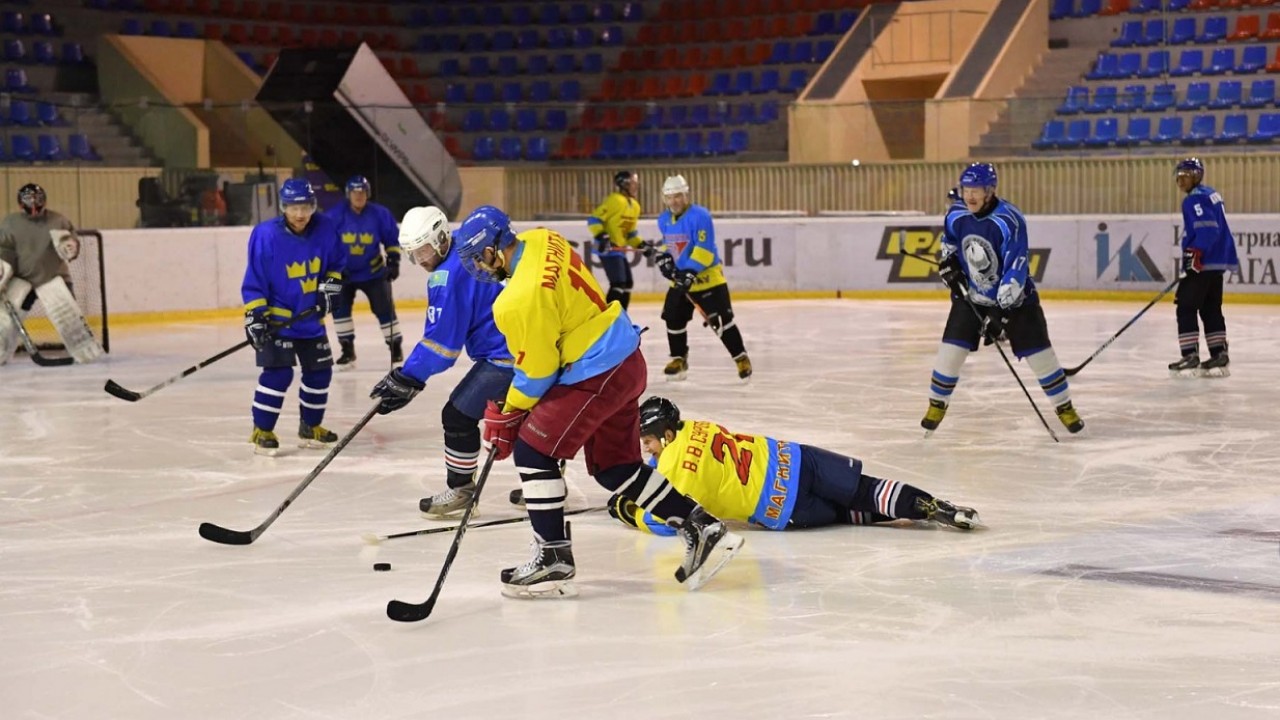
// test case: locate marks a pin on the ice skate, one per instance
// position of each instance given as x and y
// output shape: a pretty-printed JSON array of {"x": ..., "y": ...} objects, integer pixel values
[
  {"x": 933, "y": 416},
  {"x": 1069, "y": 417},
  {"x": 945, "y": 513},
  {"x": 448, "y": 504},
  {"x": 677, "y": 369},
  {"x": 315, "y": 437},
  {"x": 708, "y": 546},
  {"x": 548, "y": 575},
  {"x": 1188, "y": 366},
  {"x": 264, "y": 442},
  {"x": 347, "y": 360},
  {"x": 397, "y": 352},
  {"x": 744, "y": 367},
  {"x": 1216, "y": 366}
]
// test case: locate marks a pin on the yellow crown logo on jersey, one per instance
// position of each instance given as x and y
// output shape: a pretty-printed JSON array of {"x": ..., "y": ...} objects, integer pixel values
[
  {"x": 309, "y": 284},
  {"x": 300, "y": 269}
]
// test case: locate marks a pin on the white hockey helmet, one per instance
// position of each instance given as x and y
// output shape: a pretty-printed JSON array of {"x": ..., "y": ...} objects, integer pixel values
[
  {"x": 675, "y": 185},
  {"x": 424, "y": 236}
]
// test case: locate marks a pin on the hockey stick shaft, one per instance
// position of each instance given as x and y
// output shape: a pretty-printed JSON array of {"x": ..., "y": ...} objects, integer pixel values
[
  {"x": 409, "y": 612},
  {"x": 30, "y": 346},
  {"x": 375, "y": 539},
  {"x": 1072, "y": 371},
  {"x": 219, "y": 534},
  {"x": 114, "y": 388}
]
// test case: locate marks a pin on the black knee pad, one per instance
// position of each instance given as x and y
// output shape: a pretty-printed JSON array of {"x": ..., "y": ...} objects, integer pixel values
[
  {"x": 718, "y": 321},
  {"x": 460, "y": 432}
]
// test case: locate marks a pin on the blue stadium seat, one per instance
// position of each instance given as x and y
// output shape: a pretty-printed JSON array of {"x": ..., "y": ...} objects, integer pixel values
[
  {"x": 797, "y": 80},
  {"x": 558, "y": 38},
  {"x": 1252, "y": 59},
  {"x": 768, "y": 82},
  {"x": 1221, "y": 62},
  {"x": 1061, "y": 9},
  {"x": 781, "y": 54},
  {"x": 738, "y": 142},
  {"x": 20, "y": 114},
  {"x": 1261, "y": 93},
  {"x": 651, "y": 146},
  {"x": 13, "y": 23},
  {"x": 473, "y": 121},
  {"x": 449, "y": 67},
  {"x": 22, "y": 148},
  {"x": 720, "y": 84},
  {"x": 1190, "y": 62},
  {"x": 502, "y": 41},
  {"x": 499, "y": 121},
  {"x": 745, "y": 114},
  {"x": 768, "y": 112},
  {"x": 629, "y": 146},
  {"x": 570, "y": 91},
  {"x": 42, "y": 53},
  {"x": 467, "y": 14},
  {"x": 691, "y": 146},
  {"x": 1105, "y": 132},
  {"x": 582, "y": 37},
  {"x": 1130, "y": 34},
  {"x": 1228, "y": 95},
  {"x": 1183, "y": 31},
  {"x": 14, "y": 50},
  {"x": 537, "y": 149},
  {"x": 72, "y": 53},
  {"x": 537, "y": 65},
  {"x": 555, "y": 120},
  {"x": 128, "y": 26},
  {"x": 1234, "y": 129},
  {"x": 1268, "y": 128},
  {"x": 823, "y": 24},
  {"x": 491, "y": 15},
  {"x": 528, "y": 39},
  {"x": 1169, "y": 130},
  {"x": 49, "y": 149},
  {"x": 823, "y": 50},
  {"x": 1087, "y": 8},
  {"x": 15, "y": 80},
  {"x": 47, "y": 114},
  {"x": 510, "y": 148},
  {"x": 1054, "y": 132},
  {"x": 699, "y": 116},
  {"x": 1138, "y": 132},
  {"x": 802, "y": 51},
  {"x": 670, "y": 144},
  {"x": 79, "y": 148},
  {"x": 633, "y": 12},
  {"x": 526, "y": 120},
  {"x": 1157, "y": 64},
  {"x": 160, "y": 28},
  {"x": 613, "y": 36},
  {"x": 483, "y": 148},
  {"x": 604, "y": 13},
  {"x": 1153, "y": 33},
  {"x": 1203, "y": 129},
  {"x": 608, "y": 147},
  {"x": 1077, "y": 133},
  {"x": 187, "y": 30},
  {"x": 1132, "y": 99},
  {"x": 1197, "y": 96},
  {"x": 42, "y": 24},
  {"x": 654, "y": 115},
  {"x": 844, "y": 21},
  {"x": 1215, "y": 30},
  {"x": 1145, "y": 6},
  {"x": 741, "y": 83},
  {"x": 521, "y": 14},
  {"x": 484, "y": 92},
  {"x": 418, "y": 18},
  {"x": 455, "y": 93},
  {"x": 511, "y": 92},
  {"x": 676, "y": 116},
  {"x": 450, "y": 42},
  {"x": 564, "y": 64},
  {"x": 1104, "y": 100},
  {"x": 578, "y": 14},
  {"x": 4, "y": 153},
  {"x": 1077, "y": 99},
  {"x": 1162, "y": 98},
  {"x": 540, "y": 91},
  {"x": 716, "y": 143},
  {"x": 426, "y": 44},
  {"x": 1130, "y": 65},
  {"x": 478, "y": 66},
  {"x": 508, "y": 66},
  {"x": 1106, "y": 68},
  {"x": 593, "y": 63}
]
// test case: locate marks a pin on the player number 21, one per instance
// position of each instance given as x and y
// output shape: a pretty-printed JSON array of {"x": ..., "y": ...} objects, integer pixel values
[{"x": 724, "y": 444}]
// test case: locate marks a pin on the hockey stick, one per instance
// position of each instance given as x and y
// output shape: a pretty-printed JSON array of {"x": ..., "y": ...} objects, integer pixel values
[
  {"x": 409, "y": 612},
  {"x": 219, "y": 534},
  {"x": 378, "y": 539},
  {"x": 31, "y": 348},
  {"x": 1072, "y": 371},
  {"x": 114, "y": 388}
]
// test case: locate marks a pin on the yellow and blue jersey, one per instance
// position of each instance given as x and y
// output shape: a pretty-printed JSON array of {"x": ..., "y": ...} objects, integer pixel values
[
  {"x": 617, "y": 216},
  {"x": 366, "y": 235},
  {"x": 691, "y": 240},
  {"x": 558, "y": 327},
  {"x": 459, "y": 314},
  {"x": 285, "y": 269}
]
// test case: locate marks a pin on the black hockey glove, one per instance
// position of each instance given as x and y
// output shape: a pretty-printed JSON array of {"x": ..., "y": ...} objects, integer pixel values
[
  {"x": 952, "y": 274},
  {"x": 326, "y": 295},
  {"x": 623, "y": 508},
  {"x": 649, "y": 252},
  {"x": 393, "y": 267},
  {"x": 602, "y": 243},
  {"x": 993, "y": 327},
  {"x": 256, "y": 327},
  {"x": 684, "y": 280},
  {"x": 666, "y": 265},
  {"x": 396, "y": 390}
]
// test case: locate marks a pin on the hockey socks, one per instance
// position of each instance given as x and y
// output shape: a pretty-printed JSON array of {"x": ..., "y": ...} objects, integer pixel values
[
  {"x": 345, "y": 327},
  {"x": 313, "y": 395},
  {"x": 1044, "y": 363},
  {"x": 678, "y": 341},
  {"x": 544, "y": 491},
  {"x": 888, "y": 498},
  {"x": 461, "y": 446},
  {"x": 946, "y": 372},
  {"x": 268, "y": 398},
  {"x": 390, "y": 330}
]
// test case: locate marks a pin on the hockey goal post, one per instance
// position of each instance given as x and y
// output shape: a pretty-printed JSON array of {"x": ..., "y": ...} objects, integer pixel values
[{"x": 88, "y": 284}]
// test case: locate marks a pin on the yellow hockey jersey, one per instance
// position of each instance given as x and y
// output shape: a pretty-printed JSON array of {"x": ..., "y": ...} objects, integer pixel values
[
  {"x": 617, "y": 216},
  {"x": 735, "y": 477},
  {"x": 555, "y": 320}
]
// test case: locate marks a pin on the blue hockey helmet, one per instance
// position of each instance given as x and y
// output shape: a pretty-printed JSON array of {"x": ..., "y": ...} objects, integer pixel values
[
  {"x": 981, "y": 175},
  {"x": 485, "y": 227},
  {"x": 1191, "y": 165},
  {"x": 358, "y": 182},
  {"x": 297, "y": 191}
]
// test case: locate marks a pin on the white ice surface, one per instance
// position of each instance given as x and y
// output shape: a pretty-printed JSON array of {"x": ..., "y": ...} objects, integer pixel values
[{"x": 1132, "y": 572}]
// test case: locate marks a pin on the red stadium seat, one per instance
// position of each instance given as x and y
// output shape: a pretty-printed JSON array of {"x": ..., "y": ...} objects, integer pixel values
[{"x": 1247, "y": 27}]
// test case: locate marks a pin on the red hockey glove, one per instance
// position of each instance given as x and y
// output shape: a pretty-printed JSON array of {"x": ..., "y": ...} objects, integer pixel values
[
  {"x": 501, "y": 428},
  {"x": 1192, "y": 261}
]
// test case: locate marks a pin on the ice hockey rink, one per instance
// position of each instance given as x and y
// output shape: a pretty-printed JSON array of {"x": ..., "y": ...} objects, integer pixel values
[{"x": 1130, "y": 572}]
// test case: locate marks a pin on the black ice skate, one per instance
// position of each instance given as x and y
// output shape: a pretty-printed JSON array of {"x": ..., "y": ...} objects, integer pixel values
[
  {"x": 1216, "y": 366},
  {"x": 744, "y": 367},
  {"x": 397, "y": 352},
  {"x": 548, "y": 575},
  {"x": 945, "y": 513},
  {"x": 708, "y": 546},
  {"x": 264, "y": 442},
  {"x": 347, "y": 360},
  {"x": 1069, "y": 417},
  {"x": 933, "y": 416},
  {"x": 676, "y": 369},
  {"x": 315, "y": 437},
  {"x": 449, "y": 503},
  {"x": 1188, "y": 366}
]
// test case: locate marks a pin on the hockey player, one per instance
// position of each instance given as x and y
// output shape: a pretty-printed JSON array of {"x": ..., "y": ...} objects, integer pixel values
[
  {"x": 613, "y": 226},
  {"x": 295, "y": 265},
  {"x": 772, "y": 483},
  {"x": 367, "y": 230},
  {"x": 984, "y": 263},
  {"x": 35, "y": 245},
  {"x": 459, "y": 314},
  {"x": 579, "y": 373},
  {"x": 697, "y": 278},
  {"x": 1208, "y": 251}
]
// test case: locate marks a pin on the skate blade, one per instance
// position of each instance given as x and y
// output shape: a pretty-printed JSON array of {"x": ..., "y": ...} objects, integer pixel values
[
  {"x": 745, "y": 380},
  {"x": 968, "y": 521},
  {"x": 265, "y": 452},
  {"x": 677, "y": 377},
  {"x": 451, "y": 515},
  {"x": 1185, "y": 374},
  {"x": 314, "y": 445},
  {"x": 722, "y": 553},
  {"x": 1215, "y": 373},
  {"x": 554, "y": 590}
]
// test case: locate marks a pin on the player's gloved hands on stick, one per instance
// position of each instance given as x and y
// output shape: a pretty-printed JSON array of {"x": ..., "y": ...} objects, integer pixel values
[
  {"x": 623, "y": 508},
  {"x": 666, "y": 265},
  {"x": 393, "y": 267},
  {"x": 328, "y": 292},
  {"x": 648, "y": 251},
  {"x": 256, "y": 327},
  {"x": 501, "y": 428},
  {"x": 684, "y": 279},
  {"x": 1192, "y": 261},
  {"x": 952, "y": 274},
  {"x": 602, "y": 243},
  {"x": 396, "y": 390},
  {"x": 993, "y": 326}
]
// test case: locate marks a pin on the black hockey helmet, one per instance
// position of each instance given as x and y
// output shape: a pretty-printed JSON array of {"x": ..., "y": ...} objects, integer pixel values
[
  {"x": 622, "y": 177},
  {"x": 657, "y": 415},
  {"x": 32, "y": 199}
]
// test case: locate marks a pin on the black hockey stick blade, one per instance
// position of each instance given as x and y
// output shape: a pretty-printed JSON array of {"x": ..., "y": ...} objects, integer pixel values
[
  {"x": 408, "y": 612},
  {"x": 45, "y": 361},
  {"x": 219, "y": 534},
  {"x": 114, "y": 388},
  {"x": 30, "y": 347}
]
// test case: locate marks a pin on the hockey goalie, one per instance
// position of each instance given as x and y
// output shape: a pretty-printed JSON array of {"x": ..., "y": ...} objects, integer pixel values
[{"x": 35, "y": 245}]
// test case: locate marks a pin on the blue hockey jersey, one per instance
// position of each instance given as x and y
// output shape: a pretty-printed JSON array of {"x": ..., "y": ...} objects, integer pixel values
[
  {"x": 993, "y": 252},
  {"x": 459, "y": 314},
  {"x": 284, "y": 271},
  {"x": 691, "y": 240},
  {"x": 366, "y": 235},
  {"x": 1204, "y": 228}
]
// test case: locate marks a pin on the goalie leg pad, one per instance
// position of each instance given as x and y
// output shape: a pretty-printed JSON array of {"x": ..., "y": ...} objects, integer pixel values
[
  {"x": 68, "y": 320},
  {"x": 15, "y": 291}
]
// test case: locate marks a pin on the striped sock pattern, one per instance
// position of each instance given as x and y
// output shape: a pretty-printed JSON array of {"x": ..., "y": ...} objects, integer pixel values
[
  {"x": 313, "y": 395},
  {"x": 344, "y": 327},
  {"x": 1189, "y": 343},
  {"x": 941, "y": 386},
  {"x": 886, "y": 496},
  {"x": 1217, "y": 342},
  {"x": 1050, "y": 375},
  {"x": 460, "y": 465},
  {"x": 390, "y": 331},
  {"x": 268, "y": 397},
  {"x": 946, "y": 371}
]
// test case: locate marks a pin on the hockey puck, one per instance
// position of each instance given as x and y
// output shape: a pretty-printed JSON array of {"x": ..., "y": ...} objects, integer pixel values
[
  {"x": 517, "y": 497},
  {"x": 382, "y": 567}
]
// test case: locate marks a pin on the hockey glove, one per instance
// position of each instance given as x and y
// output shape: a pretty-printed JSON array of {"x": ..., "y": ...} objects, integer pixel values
[
  {"x": 602, "y": 243},
  {"x": 396, "y": 390},
  {"x": 1192, "y": 261},
  {"x": 501, "y": 428},
  {"x": 666, "y": 265},
  {"x": 952, "y": 274},
  {"x": 393, "y": 267},
  {"x": 629, "y": 513},
  {"x": 993, "y": 327},
  {"x": 684, "y": 280},
  {"x": 326, "y": 296},
  {"x": 256, "y": 328},
  {"x": 649, "y": 251}
]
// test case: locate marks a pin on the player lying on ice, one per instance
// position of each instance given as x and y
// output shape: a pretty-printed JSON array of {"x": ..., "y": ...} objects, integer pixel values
[{"x": 769, "y": 482}]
